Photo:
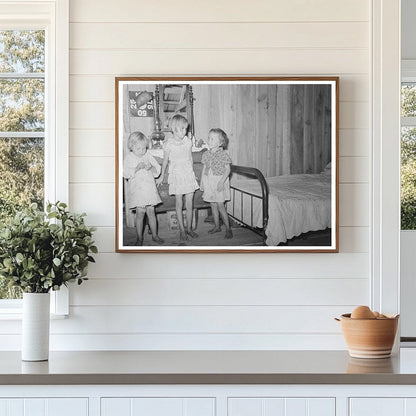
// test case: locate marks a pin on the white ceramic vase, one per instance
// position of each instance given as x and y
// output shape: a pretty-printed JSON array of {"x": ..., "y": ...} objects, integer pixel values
[{"x": 35, "y": 326}]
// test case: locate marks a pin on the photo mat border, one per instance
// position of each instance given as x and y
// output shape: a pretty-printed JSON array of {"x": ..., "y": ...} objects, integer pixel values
[{"x": 334, "y": 81}]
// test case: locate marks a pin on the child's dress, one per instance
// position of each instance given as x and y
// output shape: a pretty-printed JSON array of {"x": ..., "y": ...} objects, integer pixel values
[
  {"x": 142, "y": 189},
  {"x": 215, "y": 164},
  {"x": 181, "y": 171}
]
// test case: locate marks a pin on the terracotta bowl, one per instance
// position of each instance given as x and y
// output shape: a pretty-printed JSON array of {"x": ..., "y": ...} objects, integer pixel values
[{"x": 369, "y": 338}]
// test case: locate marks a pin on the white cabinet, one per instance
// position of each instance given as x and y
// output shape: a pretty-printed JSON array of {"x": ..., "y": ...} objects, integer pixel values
[
  {"x": 208, "y": 400},
  {"x": 271, "y": 406},
  {"x": 44, "y": 407},
  {"x": 382, "y": 406},
  {"x": 160, "y": 406}
]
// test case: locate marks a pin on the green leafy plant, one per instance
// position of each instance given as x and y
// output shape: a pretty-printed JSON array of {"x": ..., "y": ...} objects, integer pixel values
[{"x": 42, "y": 251}]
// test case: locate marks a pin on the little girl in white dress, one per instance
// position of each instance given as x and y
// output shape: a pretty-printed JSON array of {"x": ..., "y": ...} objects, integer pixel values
[
  {"x": 141, "y": 169},
  {"x": 182, "y": 181}
]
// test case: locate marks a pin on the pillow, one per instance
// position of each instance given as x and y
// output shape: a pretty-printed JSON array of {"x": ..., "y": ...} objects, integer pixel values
[{"x": 327, "y": 170}]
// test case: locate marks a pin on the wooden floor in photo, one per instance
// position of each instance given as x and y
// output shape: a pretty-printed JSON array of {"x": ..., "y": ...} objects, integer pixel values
[
  {"x": 241, "y": 237},
  {"x": 312, "y": 238}
]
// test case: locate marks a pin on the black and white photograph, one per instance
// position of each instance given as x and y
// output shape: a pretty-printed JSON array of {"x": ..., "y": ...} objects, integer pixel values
[{"x": 232, "y": 164}]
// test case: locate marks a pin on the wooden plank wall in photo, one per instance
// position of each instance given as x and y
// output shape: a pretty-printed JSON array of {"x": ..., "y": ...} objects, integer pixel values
[{"x": 279, "y": 129}]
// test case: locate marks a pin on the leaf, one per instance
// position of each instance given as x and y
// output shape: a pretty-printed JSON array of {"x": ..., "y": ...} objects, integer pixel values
[
  {"x": 7, "y": 262},
  {"x": 57, "y": 262}
]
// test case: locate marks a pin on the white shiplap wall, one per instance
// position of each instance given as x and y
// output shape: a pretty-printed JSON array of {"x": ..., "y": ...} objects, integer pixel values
[{"x": 214, "y": 301}]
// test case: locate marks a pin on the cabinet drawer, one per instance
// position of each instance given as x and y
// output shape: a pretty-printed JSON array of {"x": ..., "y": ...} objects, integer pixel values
[
  {"x": 376, "y": 406},
  {"x": 281, "y": 406},
  {"x": 44, "y": 407},
  {"x": 160, "y": 406}
]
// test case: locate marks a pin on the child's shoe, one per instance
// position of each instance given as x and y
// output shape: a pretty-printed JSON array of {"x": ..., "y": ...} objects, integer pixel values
[
  {"x": 228, "y": 234},
  {"x": 158, "y": 240},
  {"x": 191, "y": 233}
]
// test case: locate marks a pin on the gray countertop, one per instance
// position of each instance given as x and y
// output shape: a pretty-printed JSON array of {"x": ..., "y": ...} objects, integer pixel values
[{"x": 207, "y": 367}]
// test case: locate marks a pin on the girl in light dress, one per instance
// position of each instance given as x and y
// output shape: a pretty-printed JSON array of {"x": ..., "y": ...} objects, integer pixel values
[
  {"x": 215, "y": 179},
  {"x": 182, "y": 182},
  {"x": 141, "y": 169}
]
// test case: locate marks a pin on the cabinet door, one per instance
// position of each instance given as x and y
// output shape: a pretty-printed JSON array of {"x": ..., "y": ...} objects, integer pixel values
[
  {"x": 44, "y": 407},
  {"x": 160, "y": 406},
  {"x": 376, "y": 406},
  {"x": 270, "y": 406}
]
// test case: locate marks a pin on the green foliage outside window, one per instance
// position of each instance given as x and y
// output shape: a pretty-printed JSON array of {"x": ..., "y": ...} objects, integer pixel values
[
  {"x": 21, "y": 110},
  {"x": 408, "y": 160}
]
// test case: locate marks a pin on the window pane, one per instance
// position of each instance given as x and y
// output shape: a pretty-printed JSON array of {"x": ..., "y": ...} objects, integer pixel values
[
  {"x": 408, "y": 178},
  {"x": 22, "y": 51},
  {"x": 21, "y": 182},
  {"x": 408, "y": 98},
  {"x": 22, "y": 109},
  {"x": 22, "y": 104},
  {"x": 21, "y": 173}
]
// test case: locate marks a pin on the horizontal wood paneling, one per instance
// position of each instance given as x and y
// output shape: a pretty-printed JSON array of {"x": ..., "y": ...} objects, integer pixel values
[
  {"x": 354, "y": 115},
  {"x": 254, "y": 61},
  {"x": 221, "y": 35},
  {"x": 354, "y": 142},
  {"x": 287, "y": 300},
  {"x": 354, "y": 239},
  {"x": 354, "y": 208},
  {"x": 220, "y": 291},
  {"x": 194, "y": 320},
  {"x": 94, "y": 143},
  {"x": 105, "y": 238},
  {"x": 146, "y": 342},
  {"x": 92, "y": 115},
  {"x": 218, "y": 11},
  {"x": 267, "y": 265},
  {"x": 96, "y": 199},
  {"x": 200, "y": 319},
  {"x": 90, "y": 169},
  {"x": 94, "y": 88},
  {"x": 354, "y": 170}
]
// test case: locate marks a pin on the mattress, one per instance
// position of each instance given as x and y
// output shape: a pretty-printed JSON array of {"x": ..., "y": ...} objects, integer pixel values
[{"x": 297, "y": 204}]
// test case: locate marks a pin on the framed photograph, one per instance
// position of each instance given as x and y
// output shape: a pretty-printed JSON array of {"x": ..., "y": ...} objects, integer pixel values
[{"x": 235, "y": 164}]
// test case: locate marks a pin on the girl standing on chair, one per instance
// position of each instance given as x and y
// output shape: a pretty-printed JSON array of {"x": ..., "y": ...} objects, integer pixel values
[{"x": 182, "y": 181}]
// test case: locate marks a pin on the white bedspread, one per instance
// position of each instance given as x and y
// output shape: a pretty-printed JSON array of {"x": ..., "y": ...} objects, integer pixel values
[{"x": 297, "y": 204}]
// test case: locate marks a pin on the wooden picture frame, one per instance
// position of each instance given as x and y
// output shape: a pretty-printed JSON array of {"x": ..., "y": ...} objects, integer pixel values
[{"x": 278, "y": 138}]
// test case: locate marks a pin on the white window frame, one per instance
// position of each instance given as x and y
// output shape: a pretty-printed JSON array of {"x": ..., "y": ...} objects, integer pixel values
[
  {"x": 385, "y": 150},
  {"x": 53, "y": 17}
]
